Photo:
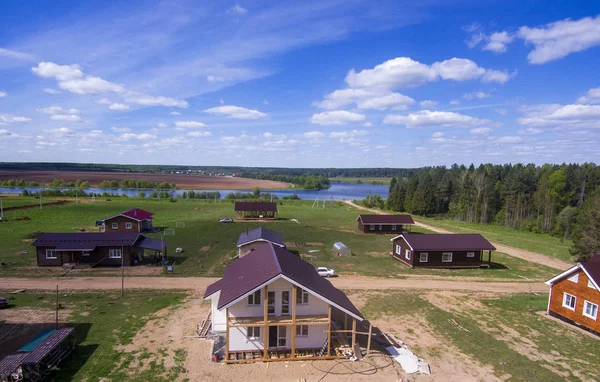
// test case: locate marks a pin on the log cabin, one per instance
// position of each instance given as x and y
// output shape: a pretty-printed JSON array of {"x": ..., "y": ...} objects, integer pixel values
[
  {"x": 133, "y": 220},
  {"x": 384, "y": 223},
  {"x": 256, "y": 210},
  {"x": 272, "y": 305},
  {"x": 575, "y": 295},
  {"x": 250, "y": 240},
  {"x": 456, "y": 250}
]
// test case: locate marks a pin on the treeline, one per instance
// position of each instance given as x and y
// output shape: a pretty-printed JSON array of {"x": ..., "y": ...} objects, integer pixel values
[
  {"x": 191, "y": 194},
  {"x": 133, "y": 183},
  {"x": 543, "y": 199},
  {"x": 18, "y": 183},
  {"x": 309, "y": 182}
]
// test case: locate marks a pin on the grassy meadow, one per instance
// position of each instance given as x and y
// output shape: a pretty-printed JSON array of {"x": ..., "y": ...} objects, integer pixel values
[{"x": 209, "y": 245}]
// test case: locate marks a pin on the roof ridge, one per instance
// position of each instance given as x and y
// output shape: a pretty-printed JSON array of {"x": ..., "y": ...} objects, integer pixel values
[{"x": 275, "y": 257}]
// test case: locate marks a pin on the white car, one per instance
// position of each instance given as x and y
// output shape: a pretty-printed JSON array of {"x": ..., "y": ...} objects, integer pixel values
[{"x": 325, "y": 272}]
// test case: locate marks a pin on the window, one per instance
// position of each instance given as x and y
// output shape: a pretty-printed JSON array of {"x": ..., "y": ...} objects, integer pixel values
[
  {"x": 302, "y": 331},
  {"x": 470, "y": 254},
  {"x": 394, "y": 227},
  {"x": 50, "y": 254},
  {"x": 590, "y": 310},
  {"x": 128, "y": 225},
  {"x": 574, "y": 278},
  {"x": 398, "y": 250},
  {"x": 254, "y": 298},
  {"x": 424, "y": 257},
  {"x": 447, "y": 257},
  {"x": 372, "y": 227},
  {"x": 85, "y": 253},
  {"x": 285, "y": 303},
  {"x": 407, "y": 254},
  {"x": 114, "y": 253},
  {"x": 114, "y": 225},
  {"x": 380, "y": 227},
  {"x": 569, "y": 301},
  {"x": 253, "y": 332},
  {"x": 301, "y": 296},
  {"x": 271, "y": 303},
  {"x": 281, "y": 336}
]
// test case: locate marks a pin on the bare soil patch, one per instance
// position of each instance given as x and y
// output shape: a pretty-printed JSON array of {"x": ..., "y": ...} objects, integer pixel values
[{"x": 182, "y": 181}]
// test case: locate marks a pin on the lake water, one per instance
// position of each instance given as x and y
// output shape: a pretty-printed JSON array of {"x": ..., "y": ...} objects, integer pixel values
[{"x": 337, "y": 191}]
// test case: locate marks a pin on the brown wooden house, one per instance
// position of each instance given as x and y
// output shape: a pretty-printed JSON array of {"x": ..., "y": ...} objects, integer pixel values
[
  {"x": 575, "y": 295},
  {"x": 94, "y": 248},
  {"x": 134, "y": 220},
  {"x": 457, "y": 250},
  {"x": 384, "y": 223},
  {"x": 256, "y": 210}
]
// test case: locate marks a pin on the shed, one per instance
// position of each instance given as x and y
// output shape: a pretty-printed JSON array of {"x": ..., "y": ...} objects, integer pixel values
[
  {"x": 254, "y": 210},
  {"x": 341, "y": 249}
]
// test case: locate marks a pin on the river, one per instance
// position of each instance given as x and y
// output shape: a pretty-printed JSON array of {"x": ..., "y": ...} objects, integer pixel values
[{"x": 337, "y": 191}]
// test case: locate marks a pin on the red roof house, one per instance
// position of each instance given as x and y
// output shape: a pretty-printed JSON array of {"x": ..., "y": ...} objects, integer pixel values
[{"x": 134, "y": 220}]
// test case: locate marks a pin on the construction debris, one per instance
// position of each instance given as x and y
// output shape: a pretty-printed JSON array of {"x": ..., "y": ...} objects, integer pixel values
[{"x": 406, "y": 358}]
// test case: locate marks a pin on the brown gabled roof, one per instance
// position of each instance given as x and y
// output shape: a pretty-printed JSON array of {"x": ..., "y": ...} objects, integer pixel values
[
  {"x": 86, "y": 240},
  {"x": 135, "y": 214},
  {"x": 591, "y": 267},
  {"x": 386, "y": 219},
  {"x": 447, "y": 242},
  {"x": 267, "y": 263},
  {"x": 256, "y": 206}
]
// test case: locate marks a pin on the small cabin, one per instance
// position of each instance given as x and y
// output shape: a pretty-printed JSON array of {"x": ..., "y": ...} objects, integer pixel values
[
  {"x": 133, "y": 220},
  {"x": 384, "y": 223},
  {"x": 456, "y": 250}
]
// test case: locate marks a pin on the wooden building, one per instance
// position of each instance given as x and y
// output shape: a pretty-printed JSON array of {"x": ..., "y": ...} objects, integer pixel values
[
  {"x": 384, "y": 223},
  {"x": 575, "y": 295},
  {"x": 134, "y": 220},
  {"x": 457, "y": 250},
  {"x": 256, "y": 210},
  {"x": 254, "y": 238},
  {"x": 94, "y": 248},
  {"x": 272, "y": 305}
]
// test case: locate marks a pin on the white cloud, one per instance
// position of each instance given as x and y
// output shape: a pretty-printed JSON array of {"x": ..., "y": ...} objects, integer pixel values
[
  {"x": 338, "y": 117},
  {"x": 139, "y": 137},
  {"x": 119, "y": 107},
  {"x": 3, "y": 94},
  {"x": 148, "y": 100},
  {"x": 16, "y": 55},
  {"x": 364, "y": 99},
  {"x": 58, "y": 72},
  {"x": 592, "y": 97},
  {"x": 314, "y": 134},
  {"x": 5, "y": 132},
  {"x": 509, "y": 139},
  {"x": 6, "y": 118},
  {"x": 348, "y": 134},
  {"x": 51, "y": 91},
  {"x": 175, "y": 113},
  {"x": 393, "y": 100},
  {"x": 497, "y": 42},
  {"x": 103, "y": 101},
  {"x": 498, "y": 76},
  {"x": 476, "y": 95},
  {"x": 211, "y": 78},
  {"x": 427, "y": 118},
  {"x": 399, "y": 72},
  {"x": 454, "y": 102},
  {"x": 90, "y": 85},
  {"x": 481, "y": 131},
  {"x": 58, "y": 110},
  {"x": 121, "y": 129},
  {"x": 236, "y": 112},
  {"x": 62, "y": 131},
  {"x": 428, "y": 104},
  {"x": 66, "y": 117},
  {"x": 189, "y": 124},
  {"x": 559, "y": 39},
  {"x": 561, "y": 115},
  {"x": 458, "y": 69},
  {"x": 367, "y": 124},
  {"x": 437, "y": 134},
  {"x": 531, "y": 131},
  {"x": 162, "y": 125},
  {"x": 237, "y": 10},
  {"x": 197, "y": 134}
]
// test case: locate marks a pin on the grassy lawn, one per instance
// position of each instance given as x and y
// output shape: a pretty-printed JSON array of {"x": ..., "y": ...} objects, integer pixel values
[
  {"x": 18, "y": 201},
  {"x": 541, "y": 243},
  {"x": 507, "y": 333},
  {"x": 103, "y": 322},
  {"x": 367, "y": 180},
  {"x": 209, "y": 246}
]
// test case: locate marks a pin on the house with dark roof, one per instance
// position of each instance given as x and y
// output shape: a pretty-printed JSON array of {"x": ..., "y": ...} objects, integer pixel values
[
  {"x": 94, "y": 248},
  {"x": 271, "y": 302},
  {"x": 256, "y": 210},
  {"x": 251, "y": 240},
  {"x": 384, "y": 223},
  {"x": 455, "y": 250},
  {"x": 133, "y": 220},
  {"x": 575, "y": 295}
]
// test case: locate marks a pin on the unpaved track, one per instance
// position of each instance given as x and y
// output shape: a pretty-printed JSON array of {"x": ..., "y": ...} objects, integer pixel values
[
  {"x": 534, "y": 257},
  {"x": 199, "y": 284}
]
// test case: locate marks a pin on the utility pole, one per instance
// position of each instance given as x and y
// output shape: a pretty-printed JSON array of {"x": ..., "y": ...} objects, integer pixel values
[
  {"x": 57, "y": 307},
  {"x": 122, "y": 273},
  {"x": 40, "y": 199},
  {"x": 1, "y": 211}
]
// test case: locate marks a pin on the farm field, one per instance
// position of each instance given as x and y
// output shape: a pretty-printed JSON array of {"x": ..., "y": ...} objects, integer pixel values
[
  {"x": 541, "y": 243},
  {"x": 209, "y": 246},
  {"x": 19, "y": 201},
  {"x": 182, "y": 181}
]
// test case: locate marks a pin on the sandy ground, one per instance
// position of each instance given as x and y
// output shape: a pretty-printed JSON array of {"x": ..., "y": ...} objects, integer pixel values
[
  {"x": 512, "y": 251},
  {"x": 182, "y": 181},
  {"x": 199, "y": 284}
]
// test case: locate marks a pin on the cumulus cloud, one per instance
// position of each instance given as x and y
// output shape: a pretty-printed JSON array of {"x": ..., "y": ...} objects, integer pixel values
[
  {"x": 476, "y": 95},
  {"x": 338, "y": 117},
  {"x": 481, "y": 131},
  {"x": 531, "y": 131},
  {"x": 3, "y": 94},
  {"x": 509, "y": 139},
  {"x": 175, "y": 113},
  {"x": 66, "y": 117},
  {"x": 497, "y": 42},
  {"x": 196, "y": 134},
  {"x": 314, "y": 134},
  {"x": 427, "y": 118},
  {"x": 149, "y": 100},
  {"x": 437, "y": 134},
  {"x": 62, "y": 131},
  {"x": 592, "y": 97},
  {"x": 348, "y": 134},
  {"x": 457, "y": 69},
  {"x": 139, "y": 137},
  {"x": 162, "y": 125},
  {"x": 237, "y": 10},
  {"x": 561, "y": 115},
  {"x": 428, "y": 104},
  {"x": 121, "y": 129},
  {"x": 119, "y": 107},
  {"x": 190, "y": 124},
  {"x": 7, "y": 118},
  {"x": 236, "y": 112},
  {"x": 58, "y": 110},
  {"x": 51, "y": 91},
  {"x": 498, "y": 76}
]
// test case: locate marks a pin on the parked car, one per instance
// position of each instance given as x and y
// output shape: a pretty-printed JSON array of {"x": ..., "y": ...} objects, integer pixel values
[
  {"x": 226, "y": 220},
  {"x": 325, "y": 272},
  {"x": 3, "y": 303}
]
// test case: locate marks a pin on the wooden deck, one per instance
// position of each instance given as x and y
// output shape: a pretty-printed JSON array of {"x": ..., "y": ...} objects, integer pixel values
[{"x": 237, "y": 322}]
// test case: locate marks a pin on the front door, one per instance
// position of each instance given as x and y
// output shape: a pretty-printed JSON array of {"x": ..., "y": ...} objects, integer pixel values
[{"x": 272, "y": 336}]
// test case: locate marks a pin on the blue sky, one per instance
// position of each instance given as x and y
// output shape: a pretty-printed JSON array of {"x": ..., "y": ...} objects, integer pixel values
[{"x": 300, "y": 84}]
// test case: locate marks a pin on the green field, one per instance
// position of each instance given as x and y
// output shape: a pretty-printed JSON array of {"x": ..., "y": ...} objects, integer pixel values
[
  {"x": 507, "y": 333},
  {"x": 548, "y": 245},
  {"x": 18, "y": 201},
  {"x": 209, "y": 246}
]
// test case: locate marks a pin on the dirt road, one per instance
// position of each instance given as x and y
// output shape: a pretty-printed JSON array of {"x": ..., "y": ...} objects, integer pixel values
[
  {"x": 512, "y": 251},
  {"x": 199, "y": 284}
]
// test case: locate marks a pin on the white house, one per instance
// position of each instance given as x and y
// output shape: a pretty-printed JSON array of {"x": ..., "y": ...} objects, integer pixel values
[{"x": 273, "y": 297}]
